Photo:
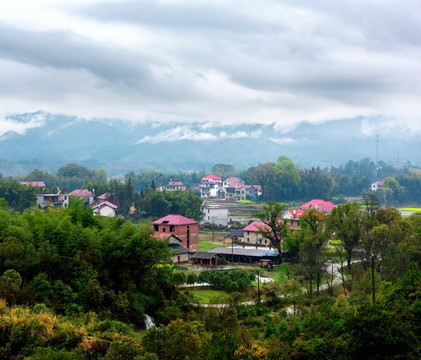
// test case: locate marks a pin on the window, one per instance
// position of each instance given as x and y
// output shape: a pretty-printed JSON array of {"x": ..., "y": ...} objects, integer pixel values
[
  {"x": 163, "y": 229},
  {"x": 171, "y": 228},
  {"x": 155, "y": 227}
]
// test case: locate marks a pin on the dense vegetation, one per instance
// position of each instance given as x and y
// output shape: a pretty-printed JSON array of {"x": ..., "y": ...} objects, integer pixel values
[{"x": 75, "y": 286}]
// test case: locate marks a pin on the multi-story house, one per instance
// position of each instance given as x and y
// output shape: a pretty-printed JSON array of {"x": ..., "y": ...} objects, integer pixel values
[
  {"x": 55, "y": 200},
  {"x": 187, "y": 230},
  {"x": 215, "y": 214},
  {"x": 173, "y": 186},
  {"x": 211, "y": 186}
]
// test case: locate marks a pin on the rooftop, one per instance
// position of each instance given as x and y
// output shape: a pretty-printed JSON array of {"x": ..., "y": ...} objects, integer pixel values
[
  {"x": 81, "y": 193},
  {"x": 244, "y": 251},
  {"x": 256, "y": 226},
  {"x": 319, "y": 205},
  {"x": 39, "y": 184},
  {"x": 105, "y": 203},
  {"x": 174, "y": 219},
  {"x": 212, "y": 177}
]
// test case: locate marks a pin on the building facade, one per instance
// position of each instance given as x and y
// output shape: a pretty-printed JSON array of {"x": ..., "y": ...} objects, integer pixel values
[
  {"x": 215, "y": 214},
  {"x": 211, "y": 187},
  {"x": 187, "y": 230}
]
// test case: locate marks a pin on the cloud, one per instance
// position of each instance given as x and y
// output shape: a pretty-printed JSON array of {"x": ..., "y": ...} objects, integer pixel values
[
  {"x": 283, "y": 141},
  {"x": 177, "y": 134},
  {"x": 241, "y": 134},
  {"x": 214, "y": 62},
  {"x": 20, "y": 127}
]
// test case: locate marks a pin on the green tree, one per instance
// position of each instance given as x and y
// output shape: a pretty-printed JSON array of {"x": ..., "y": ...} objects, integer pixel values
[
  {"x": 275, "y": 229},
  {"x": 10, "y": 285},
  {"x": 346, "y": 222},
  {"x": 224, "y": 171}
]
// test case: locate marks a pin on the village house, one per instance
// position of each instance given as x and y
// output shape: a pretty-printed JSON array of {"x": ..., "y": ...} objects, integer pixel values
[
  {"x": 252, "y": 235},
  {"x": 178, "y": 252},
  {"x": 377, "y": 186},
  {"x": 173, "y": 186},
  {"x": 319, "y": 205},
  {"x": 55, "y": 200},
  {"x": 292, "y": 218},
  {"x": 83, "y": 194},
  {"x": 236, "y": 189},
  {"x": 110, "y": 197},
  {"x": 210, "y": 186},
  {"x": 215, "y": 214},
  {"x": 105, "y": 209},
  {"x": 187, "y": 230},
  {"x": 39, "y": 185}
]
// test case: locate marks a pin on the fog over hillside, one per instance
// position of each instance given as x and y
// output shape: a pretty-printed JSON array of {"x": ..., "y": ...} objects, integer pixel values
[{"x": 50, "y": 141}]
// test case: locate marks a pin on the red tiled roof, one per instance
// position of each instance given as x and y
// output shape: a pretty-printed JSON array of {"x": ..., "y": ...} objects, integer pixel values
[
  {"x": 212, "y": 177},
  {"x": 318, "y": 204},
  {"x": 378, "y": 183},
  {"x": 234, "y": 180},
  {"x": 80, "y": 193},
  {"x": 105, "y": 203},
  {"x": 39, "y": 184},
  {"x": 104, "y": 196},
  {"x": 174, "y": 219},
  {"x": 250, "y": 186},
  {"x": 298, "y": 212},
  {"x": 256, "y": 226}
]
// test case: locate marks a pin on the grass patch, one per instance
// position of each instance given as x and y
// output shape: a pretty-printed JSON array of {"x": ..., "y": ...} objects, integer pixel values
[
  {"x": 208, "y": 245},
  {"x": 279, "y": 273},
  {"x": 204, "y": 296},
  {"x": 410, "y": 209}
]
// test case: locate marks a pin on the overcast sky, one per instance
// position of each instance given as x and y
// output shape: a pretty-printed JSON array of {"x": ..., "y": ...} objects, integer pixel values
[{"x": 212, "y": 61}]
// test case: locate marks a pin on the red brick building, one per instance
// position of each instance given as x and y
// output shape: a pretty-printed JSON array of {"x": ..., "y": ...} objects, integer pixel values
[{"x": 187, "y": 230}]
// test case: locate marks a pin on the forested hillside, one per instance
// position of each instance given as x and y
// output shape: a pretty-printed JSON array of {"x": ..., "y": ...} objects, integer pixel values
[{"x": 75, "y": 286}]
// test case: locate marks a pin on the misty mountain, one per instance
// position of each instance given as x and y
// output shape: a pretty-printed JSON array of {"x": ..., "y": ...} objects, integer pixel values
[{"x": 120, "y": 147}]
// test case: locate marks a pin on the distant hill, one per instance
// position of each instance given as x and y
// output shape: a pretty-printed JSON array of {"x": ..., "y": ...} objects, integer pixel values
[{"x": 120, "y": 147}]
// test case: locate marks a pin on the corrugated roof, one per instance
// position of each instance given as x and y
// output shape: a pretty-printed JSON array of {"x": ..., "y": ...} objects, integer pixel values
[
  {"x": 245, "y": 252},
  {"x": 203, "y": 255},
  {"x": 174, "y": 219},
  {"x": 178, "y": 248}
]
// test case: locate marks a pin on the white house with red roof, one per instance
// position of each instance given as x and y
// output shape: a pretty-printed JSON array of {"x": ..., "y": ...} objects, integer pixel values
[
  {"x": 105, "y": 209},
  {"x": 292, "y": 218},
  {"x": 210, "y": 186},
  {"x": 319, "y": 205},
  {"x": 252, "y": 236},
  {"x": 187, "y": 230},
  {"x": 377, "y": 186},
  {"x": 236, "y": 189}
]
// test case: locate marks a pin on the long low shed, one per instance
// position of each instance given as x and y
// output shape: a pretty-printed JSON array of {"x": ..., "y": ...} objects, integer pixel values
[{"x": 247, "y": 256}]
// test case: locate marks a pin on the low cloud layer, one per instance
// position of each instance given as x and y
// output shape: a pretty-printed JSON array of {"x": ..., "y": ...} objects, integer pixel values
[{"x": 214, "y": 62}]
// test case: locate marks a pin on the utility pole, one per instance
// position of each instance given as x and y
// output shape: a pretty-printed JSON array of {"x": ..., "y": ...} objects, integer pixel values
[
  {"x": 373, "y": 284},
  {"x": 258, "y": 286},
  {"x": 232, "y": 250}
]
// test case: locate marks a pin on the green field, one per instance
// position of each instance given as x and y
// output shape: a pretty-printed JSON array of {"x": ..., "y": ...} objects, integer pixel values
[
  {"x": 410, "y": 209},
  {"x": 208, "y": 245},
  {"x": 204, "y": 296}
]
